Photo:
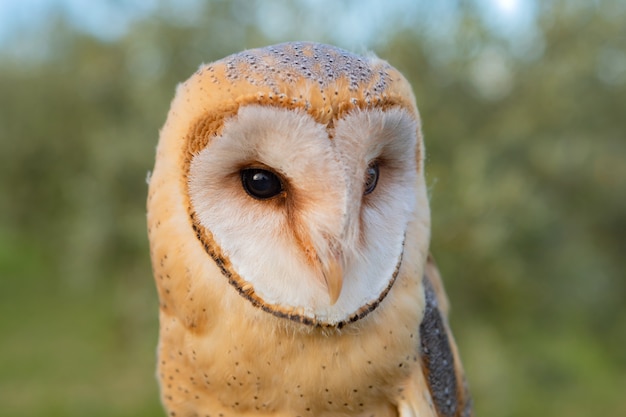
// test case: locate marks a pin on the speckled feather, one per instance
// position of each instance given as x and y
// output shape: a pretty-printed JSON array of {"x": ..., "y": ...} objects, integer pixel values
[{"x": 221, "y": 355}]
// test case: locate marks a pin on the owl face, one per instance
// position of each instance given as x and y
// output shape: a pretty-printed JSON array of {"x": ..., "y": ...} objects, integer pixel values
[
  {"x": 313, "y": 220},
  {"x": 301, "y": 172}
]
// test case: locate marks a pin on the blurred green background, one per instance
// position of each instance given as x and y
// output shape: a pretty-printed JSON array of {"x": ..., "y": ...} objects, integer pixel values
[{"x": 524, "y": 112}]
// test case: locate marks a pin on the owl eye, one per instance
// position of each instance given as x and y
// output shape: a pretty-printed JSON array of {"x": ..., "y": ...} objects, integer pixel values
[
  {"x": 371, "y": 178},
  {"x": 261, "y": 183}
]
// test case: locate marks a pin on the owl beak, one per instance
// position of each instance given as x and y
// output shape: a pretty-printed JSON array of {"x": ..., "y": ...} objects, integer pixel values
[{"x": 333, "y": 277}]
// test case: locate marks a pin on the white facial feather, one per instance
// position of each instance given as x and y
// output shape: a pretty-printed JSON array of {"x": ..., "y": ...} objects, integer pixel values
[{"x": 325, "y": 180}]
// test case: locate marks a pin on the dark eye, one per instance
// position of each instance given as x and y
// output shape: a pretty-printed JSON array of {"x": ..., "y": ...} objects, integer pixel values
[
  {"x": 371, "y": 178},
  {"x": 261, "y": 183}
]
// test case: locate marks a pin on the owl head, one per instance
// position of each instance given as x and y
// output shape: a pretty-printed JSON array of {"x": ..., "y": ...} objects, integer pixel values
[{"x": 290, "y": 179}]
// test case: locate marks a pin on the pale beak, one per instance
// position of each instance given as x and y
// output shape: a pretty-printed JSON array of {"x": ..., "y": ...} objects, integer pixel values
[{"x": 333, "y": 277}]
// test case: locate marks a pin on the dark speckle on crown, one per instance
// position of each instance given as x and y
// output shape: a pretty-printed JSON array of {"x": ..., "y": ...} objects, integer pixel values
[
  {"x": 325, "y": 81},
  {"x": 317, "y": 63}
]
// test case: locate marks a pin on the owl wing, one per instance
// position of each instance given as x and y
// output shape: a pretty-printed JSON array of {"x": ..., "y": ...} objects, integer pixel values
[{"x": 438, "y": 388}]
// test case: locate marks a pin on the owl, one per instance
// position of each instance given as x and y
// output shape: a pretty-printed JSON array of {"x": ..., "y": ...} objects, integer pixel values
[{"x": 289, "y": 229}]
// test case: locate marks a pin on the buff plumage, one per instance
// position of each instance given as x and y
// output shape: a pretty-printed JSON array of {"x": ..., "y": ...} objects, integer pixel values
[{"x": 318, "y": 301}]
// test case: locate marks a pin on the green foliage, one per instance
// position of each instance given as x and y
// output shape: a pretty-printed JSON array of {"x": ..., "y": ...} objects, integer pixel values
[{"x": 527, "y": 180}]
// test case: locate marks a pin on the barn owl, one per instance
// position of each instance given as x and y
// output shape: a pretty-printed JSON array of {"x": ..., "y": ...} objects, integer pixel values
[{"x": 289, "y": 230}]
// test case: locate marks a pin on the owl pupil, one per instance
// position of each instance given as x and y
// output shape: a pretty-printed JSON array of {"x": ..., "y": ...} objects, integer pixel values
[
  {"x": 371, "y": 178},
  {"x": 261, "y": 183}
]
